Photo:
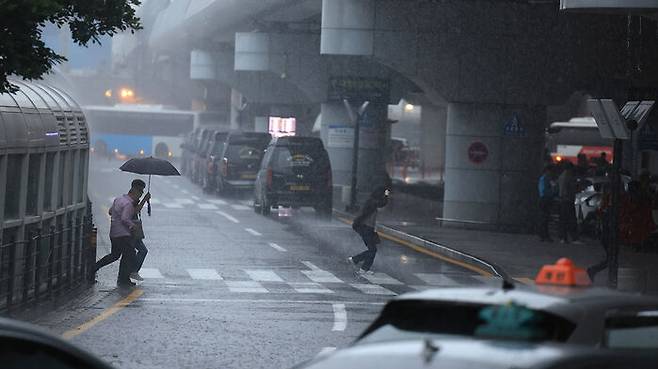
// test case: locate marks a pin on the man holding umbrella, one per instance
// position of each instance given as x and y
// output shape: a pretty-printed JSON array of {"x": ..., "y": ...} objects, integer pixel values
[{"x": 122, "y": 227}]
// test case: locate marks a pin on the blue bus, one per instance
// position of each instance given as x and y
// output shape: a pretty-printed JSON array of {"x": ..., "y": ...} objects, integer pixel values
[{"x": 143, "y": 130}]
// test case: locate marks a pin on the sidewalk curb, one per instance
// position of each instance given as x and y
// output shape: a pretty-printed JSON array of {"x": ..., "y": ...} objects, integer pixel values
[{"x": 435, "y": 247}]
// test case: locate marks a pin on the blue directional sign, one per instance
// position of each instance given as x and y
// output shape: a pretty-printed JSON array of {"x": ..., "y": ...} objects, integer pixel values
[{"x": 513, "y": 127}]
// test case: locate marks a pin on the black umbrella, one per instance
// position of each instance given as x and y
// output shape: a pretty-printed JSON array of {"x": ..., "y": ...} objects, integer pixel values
[{"x": 150, "y": 166}]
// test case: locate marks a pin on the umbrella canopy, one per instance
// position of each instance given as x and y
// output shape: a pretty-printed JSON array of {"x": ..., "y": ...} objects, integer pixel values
[{"x": 150, "y": 166}]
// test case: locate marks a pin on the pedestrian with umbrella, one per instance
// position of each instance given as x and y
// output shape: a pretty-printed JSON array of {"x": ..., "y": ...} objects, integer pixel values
[
  {"x": 122, "y": 227},
  {"x": 150, "y": 166}
]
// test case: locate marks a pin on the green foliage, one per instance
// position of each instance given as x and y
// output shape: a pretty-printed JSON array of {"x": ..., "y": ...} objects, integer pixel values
[{"x": 24, "y": 54}]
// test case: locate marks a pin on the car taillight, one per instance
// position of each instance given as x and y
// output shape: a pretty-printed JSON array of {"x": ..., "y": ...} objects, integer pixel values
[
  {"x": 269, "y": 177},
  {"x": 225, "y": 167}
]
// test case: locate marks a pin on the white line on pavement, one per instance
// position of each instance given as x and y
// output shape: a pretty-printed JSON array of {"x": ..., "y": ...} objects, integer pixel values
[
  {"x": 240, "y": 207},
  {"x": 277, "y": 247},
  {"x": 184, "y": 201},
  {"x": 205, "y": 274},
  {"x": 255, "y": 233},
  {"x": 228, "y": 217},
  {"x": 185, "y": 191},
  {"x": 310, "y": 265},
  {"x": 246, "y": 286},
  {"x": 173, "y": 205},
  {"x": 306, "y": 287},
  {"x": 382, "y": 278},
  {"x": 150, "y": 273},
  {"x": 321, "y": 276},
  {"x": 217, "y": 202},
  {"x": 207, "y": 206},
  {"x": 340, "y": 317},
  {"x": 263, "y": 275},
  {"x": 326, "y": 350},
  {"x": 196, "y": 198},
  {"x": 372, "y": 289}
]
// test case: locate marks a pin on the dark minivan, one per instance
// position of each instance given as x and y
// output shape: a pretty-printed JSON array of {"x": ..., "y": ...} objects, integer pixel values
[
  {"x": 295, "y": 172},
  {"x": 240, "y": 160}
]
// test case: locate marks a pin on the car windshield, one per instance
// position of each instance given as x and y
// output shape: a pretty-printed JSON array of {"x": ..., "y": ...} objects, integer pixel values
[{"x": 418, "y": 319}]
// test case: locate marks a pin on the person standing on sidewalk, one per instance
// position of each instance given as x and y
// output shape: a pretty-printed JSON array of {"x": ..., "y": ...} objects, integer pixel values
[
  {"x": 546, "y": 196},
  {"x": 121, "y": 233},
  {"x": 364, "y": 225},
  {"x": 567, "y": 193}
]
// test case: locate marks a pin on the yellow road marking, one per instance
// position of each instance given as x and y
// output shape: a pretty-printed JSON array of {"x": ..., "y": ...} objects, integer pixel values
[
  {"x": 430, "y": 253},
  {"x": 104, "y": 315}
]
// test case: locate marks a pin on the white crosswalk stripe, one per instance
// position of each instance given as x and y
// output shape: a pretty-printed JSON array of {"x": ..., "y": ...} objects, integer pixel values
[
  {"x": 207, "y": 206},
  {"x": 173, "y": 205},
  {"x": 372, "y": 289},
  {"x": 263, "y": 275},
  {"x": 217, "y": 202},
  {"x": 240, "y": 207},
  {"x": 382, "y": 278},
  {"x": 277, "y": 247},
  {"x": 321, "y": 276},
  {"x": 309, "y": 287},
  {"x": 184, "y": 201},
  {"x": 150, "y": 273},
  {"x": 204, "y": 274},
  {"x": 436, "y": 279},
  {"x": 254, "y": 232},
  {"x": 155, "y": 202},
  {"x": 246, "y": 287}
]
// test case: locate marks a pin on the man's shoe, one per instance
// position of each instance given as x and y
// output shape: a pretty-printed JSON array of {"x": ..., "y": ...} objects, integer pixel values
[
  {"x": 136, "y": 276},
  {"x": 369, "y": 272},
  {"x": 126, "y": 284}
]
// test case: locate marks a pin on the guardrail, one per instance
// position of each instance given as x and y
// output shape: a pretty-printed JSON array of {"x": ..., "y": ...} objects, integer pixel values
[{"x": 46, "y": 263}]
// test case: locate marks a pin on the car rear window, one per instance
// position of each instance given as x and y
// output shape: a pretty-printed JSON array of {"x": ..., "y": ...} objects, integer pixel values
[
  {"x": 637, "y": 331},
  {"x": 419, "y": 319},
  {"x": 299, "y": 158},
  {"x": 244, "y": 152}
]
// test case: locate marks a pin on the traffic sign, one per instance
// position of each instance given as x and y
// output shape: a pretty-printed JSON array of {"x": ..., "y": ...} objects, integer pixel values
[
  {"x": 513, "y": 127},
  {"x": 477, "y": 152}
]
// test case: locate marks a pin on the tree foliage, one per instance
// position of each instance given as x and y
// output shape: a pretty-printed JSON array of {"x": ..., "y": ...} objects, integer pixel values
[{"x": 22, "y": 51}]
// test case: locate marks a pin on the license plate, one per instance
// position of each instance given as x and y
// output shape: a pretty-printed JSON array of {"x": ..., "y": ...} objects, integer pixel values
[
  {"x": 248, "y": 176},
  {"x": 299, "y": 188}
]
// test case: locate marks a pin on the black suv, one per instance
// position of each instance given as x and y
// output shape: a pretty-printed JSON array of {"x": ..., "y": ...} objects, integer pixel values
[
  {"x": 238, "y": 164},
  {"x": 295, "y": 172}
]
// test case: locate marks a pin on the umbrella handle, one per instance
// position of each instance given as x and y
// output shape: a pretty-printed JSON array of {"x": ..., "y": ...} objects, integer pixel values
[{"x": 148, "y": 207}]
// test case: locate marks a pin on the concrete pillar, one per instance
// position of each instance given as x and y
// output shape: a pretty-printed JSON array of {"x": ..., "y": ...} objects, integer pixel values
[
  {"x": 493, "y": 160},
  {"x": 433, "y": 140},
  {"x": 337, "y": 133},
  {"x": 347, "y": 27}
]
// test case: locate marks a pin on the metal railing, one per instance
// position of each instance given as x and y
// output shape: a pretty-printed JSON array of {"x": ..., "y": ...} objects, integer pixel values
[{"x": 47, "y": 263}]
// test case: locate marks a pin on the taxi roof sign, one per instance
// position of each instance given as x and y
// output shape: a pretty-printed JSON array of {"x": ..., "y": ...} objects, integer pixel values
[{"x": 563, "y": 273}]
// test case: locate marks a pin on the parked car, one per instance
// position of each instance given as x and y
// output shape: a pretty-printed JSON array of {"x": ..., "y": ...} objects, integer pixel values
[
  {"x": 213, "y": 158},
  {"x": 240, "y": 160},
  {"x": 295, "y": 172}
]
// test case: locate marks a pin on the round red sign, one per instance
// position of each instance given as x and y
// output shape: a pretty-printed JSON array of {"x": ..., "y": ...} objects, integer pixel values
[{"x": 477, "y": 152}]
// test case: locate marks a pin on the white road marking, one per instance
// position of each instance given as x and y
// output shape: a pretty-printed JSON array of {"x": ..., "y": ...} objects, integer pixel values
[
  {"x": 372, "y": 289},
  {"x": 382, "y": 278},
  {"x": 205, "y": 274},
  {"x": 240, "y": 207},
  {"x": 263, "y": 275},
  {"x": 217, "y": 202},
  {"x": 277, "y": 247},
  {"x": 309, "y": 287},
  {"x": 436, "y": 279},
  {"x": 228, "y": 217},
  {"x": 185, "y": 192},
  {"x": 326, "y": 351},
  {"x": 207, "y": 206},
  {"x": 173, "y": 205},
  {"x": 340, "y": 317},
  {"x": 255, "y": 233},
  {"x": 196, "y": 198},
  {"x": 155, "y": 202},
  {"x": 246, "y": 286},
  {"x": 321, "y": 276},
  {"x": 311, "y": 265},
  {"x": 184, "y": 201},
  {"x": 150, "y": 273}
]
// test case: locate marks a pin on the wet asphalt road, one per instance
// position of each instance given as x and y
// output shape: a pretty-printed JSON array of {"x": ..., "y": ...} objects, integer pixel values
[{"x": 227, "y": 288}]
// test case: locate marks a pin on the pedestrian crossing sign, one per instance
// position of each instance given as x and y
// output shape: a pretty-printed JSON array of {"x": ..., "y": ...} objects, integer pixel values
[{"x": 513, "y": 127}]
